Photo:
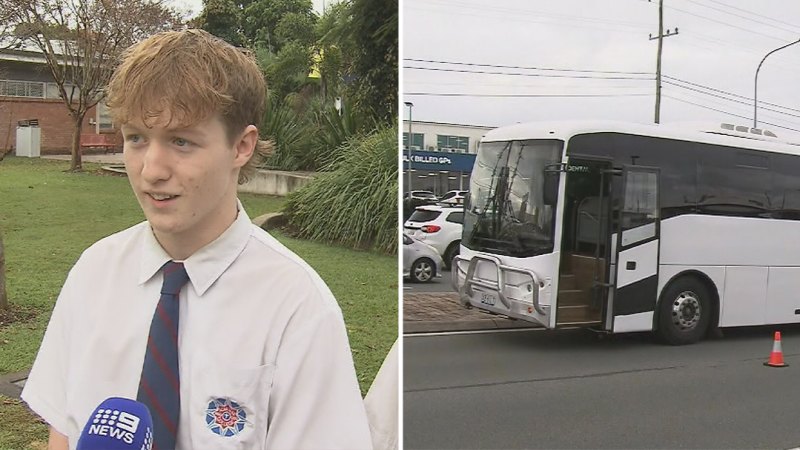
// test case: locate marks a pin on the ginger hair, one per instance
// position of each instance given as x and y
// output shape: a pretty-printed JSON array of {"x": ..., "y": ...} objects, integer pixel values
[{"x": 192, "y": 76}]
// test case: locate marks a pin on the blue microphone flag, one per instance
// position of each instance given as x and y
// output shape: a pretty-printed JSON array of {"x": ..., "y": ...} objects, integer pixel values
[{"x": 117, "y": 424}]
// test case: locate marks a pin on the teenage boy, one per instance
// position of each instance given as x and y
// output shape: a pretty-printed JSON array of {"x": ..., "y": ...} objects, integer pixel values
[{"x": 230, "y": 339}]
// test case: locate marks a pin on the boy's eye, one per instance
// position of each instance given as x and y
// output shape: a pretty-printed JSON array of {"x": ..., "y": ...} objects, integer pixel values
[
  {"x": 181, "y": 142},
  {"x": 134, "y": 138}
]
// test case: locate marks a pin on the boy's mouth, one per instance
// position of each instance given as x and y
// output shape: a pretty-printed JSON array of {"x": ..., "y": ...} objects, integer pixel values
[{"x": 161, "y": 197}]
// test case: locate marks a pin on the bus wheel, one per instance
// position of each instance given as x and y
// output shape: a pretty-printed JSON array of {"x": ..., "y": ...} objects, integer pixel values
[
  {"x": 684, "y": 312},
  {"x": 451, "y": 252}
]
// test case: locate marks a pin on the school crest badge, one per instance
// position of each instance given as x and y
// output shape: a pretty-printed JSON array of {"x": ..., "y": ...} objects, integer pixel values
[{"x": 225, "y": 417}]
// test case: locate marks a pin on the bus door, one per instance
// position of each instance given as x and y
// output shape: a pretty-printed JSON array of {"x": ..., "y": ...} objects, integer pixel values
[
  {"x": 635, "y": 250},
  {"x": 583, "y": 269}
]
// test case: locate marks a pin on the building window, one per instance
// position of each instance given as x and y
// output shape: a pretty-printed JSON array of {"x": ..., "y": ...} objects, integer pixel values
[
  {"x": 447, "y": 142},
  {"x": 103, "y": 118},
  {"x": 418, "y": 141},
  {"x": 52, "y": 92},
  {"x": 13, "y": 88}
]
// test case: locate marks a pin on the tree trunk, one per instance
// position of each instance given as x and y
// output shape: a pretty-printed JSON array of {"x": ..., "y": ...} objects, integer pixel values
[
  {"x": 77, "y": 164},
  {"x": 3, "y": 294}
]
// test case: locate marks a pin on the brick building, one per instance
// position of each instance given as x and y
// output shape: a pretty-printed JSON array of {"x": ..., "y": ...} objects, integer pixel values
[{"x": 27, "y": 91}]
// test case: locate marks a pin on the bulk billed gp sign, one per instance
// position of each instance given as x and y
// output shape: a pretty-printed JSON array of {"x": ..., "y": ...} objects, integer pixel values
[{"x": 454, "y": 162}]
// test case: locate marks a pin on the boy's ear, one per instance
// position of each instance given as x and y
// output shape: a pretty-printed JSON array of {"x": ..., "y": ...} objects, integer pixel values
[{"x": 246, "y": 145}]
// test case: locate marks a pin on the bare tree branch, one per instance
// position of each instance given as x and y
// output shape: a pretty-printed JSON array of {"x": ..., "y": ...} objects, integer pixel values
[{"x": 81, "y": 41}]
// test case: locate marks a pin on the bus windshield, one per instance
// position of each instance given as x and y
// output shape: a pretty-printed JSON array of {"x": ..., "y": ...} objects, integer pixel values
[{"x": 505, "y": 212}]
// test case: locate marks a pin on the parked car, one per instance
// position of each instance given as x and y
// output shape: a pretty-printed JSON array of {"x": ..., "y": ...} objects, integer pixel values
[
  {"x": 413, "y": 199},
  {"x": 453, "y": 197},
  {"x": 426, "y": 196},
  {"x": 421, "y": 262},
  {"x": 437, "y": 225}
]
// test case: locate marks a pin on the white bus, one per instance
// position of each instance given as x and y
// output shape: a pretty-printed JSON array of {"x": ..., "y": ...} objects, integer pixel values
[{"x": 623, "y": 227}]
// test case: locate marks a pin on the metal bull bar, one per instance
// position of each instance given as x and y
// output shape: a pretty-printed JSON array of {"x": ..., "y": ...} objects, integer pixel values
[{"x": 465, "y": 291}]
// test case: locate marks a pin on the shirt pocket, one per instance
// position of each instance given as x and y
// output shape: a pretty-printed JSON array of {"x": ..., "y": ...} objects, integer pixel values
[{"x": 228, "y": 409}]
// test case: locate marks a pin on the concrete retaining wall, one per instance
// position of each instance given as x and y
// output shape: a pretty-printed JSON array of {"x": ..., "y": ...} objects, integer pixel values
[{"x": 276, "y": 182}]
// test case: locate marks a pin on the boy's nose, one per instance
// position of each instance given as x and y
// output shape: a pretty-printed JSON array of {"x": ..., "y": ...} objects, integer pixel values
[{"x": 156, "y": 163}]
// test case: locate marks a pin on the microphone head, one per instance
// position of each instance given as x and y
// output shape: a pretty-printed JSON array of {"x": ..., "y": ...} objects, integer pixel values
[{"x": 116, "y": 424}]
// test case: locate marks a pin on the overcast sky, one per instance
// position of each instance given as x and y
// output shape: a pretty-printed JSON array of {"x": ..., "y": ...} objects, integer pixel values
[{"x": 708, "y": 68}]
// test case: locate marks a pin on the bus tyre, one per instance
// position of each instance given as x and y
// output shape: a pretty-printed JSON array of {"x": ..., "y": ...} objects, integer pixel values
[
  {"x": 684, "y": 312},
  {"x": 451, "y": 252}
]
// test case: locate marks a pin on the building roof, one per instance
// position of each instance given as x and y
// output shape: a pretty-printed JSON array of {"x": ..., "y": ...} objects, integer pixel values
[
  {"x": 477, "y": 127},
  {"x": 25, "y": 51}
]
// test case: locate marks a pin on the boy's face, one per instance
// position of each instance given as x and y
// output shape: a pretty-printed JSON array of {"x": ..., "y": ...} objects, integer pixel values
[{"x": 185, "y": 179}]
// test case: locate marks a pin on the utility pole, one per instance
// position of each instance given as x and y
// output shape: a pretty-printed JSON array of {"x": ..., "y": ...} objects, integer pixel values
[
  {"x": 410, "y": 141},
  {"x": 660, "y": 38}
]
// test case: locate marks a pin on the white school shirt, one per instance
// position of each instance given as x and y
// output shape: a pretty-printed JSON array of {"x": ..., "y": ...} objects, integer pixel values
[
  {"x": 260, "y": 332},
  {"x": 382, "y": 402}
]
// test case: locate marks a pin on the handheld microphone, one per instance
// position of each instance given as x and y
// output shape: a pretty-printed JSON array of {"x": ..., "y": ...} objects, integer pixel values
[{"x": 117, "y": 424}]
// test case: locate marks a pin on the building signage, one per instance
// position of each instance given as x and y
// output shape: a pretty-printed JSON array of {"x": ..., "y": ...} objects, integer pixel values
[
  {"x": 427, "y": 159},
  {"x": 454, "y": 162}
]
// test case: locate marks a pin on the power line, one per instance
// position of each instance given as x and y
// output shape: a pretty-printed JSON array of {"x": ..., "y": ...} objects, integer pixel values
[
  {"x": 408, "y": 83},
  {"x": 460, "y": 63},
  {"x": 744, "y": 47},
  {"x": 729, "y": 93},
  {"x": 740, "y": 109},
  {"x": 515, "y": 12},
  {"x": 728, "y": 99},
  {"x": 727, "y": 112},
  {"x": 464, "y": 94},
  {"x": 725, "y": 23},
  {"x": 742, "y": 17},
  {"x": 484, "y": 72},
  {"x": 740, "y": 47},
  {"x": 755, "y": 14},
  {"x": 503, "y": 66}
]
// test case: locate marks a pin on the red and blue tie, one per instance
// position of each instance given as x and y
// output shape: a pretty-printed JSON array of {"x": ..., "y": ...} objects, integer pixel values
[{"x": 159, "y": 387}]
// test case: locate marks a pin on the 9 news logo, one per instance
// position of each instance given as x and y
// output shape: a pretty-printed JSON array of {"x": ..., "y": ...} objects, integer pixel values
[{"x": 114, "y": 423}]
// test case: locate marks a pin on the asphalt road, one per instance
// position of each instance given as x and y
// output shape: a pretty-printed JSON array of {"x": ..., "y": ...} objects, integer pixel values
[
  {"x": 571, "y": 389},
  {"x": 441, "y": 284}
]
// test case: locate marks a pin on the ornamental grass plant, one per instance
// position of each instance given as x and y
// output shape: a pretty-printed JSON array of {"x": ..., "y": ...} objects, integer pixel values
[{"x": 354, "y": 203}]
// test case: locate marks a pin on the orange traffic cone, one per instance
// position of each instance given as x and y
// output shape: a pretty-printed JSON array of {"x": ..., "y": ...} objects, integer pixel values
[{"x": 776, "y": 357}]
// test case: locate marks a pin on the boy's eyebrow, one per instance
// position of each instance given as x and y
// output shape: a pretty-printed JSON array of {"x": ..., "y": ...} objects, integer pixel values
[
  {"x": 128, "y": 127},
  {"x": 193, "y": 130}
]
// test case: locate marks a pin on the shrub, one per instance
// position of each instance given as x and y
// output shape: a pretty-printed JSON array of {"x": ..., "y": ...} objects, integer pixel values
[
  {"x": 289, "y": 132},
  {"x": 355, "y": 203},
  {"x": 335, "y": 128}
]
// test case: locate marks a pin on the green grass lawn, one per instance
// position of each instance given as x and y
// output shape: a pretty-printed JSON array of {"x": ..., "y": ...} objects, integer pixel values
[{"x": 48, "y": 217}]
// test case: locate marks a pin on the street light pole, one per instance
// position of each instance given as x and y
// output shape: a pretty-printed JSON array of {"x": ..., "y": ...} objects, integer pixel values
[
  {"x": 410, "y": 141},
  {"x": 755, "y": 88}
]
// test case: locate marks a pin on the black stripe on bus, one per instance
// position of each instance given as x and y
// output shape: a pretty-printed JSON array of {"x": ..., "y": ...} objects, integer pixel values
[{"x": 636, "y": 297}]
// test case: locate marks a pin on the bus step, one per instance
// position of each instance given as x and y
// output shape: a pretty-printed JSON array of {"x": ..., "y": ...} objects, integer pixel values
[
  {"x": 567, "y": 282},
  {"x": 574, "y": 297},
  {"x": 577, "y": 314},
  {"x": 588, "y": 323}
]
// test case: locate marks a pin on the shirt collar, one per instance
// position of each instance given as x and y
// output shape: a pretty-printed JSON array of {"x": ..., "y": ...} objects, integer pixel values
[{"x": 206, "y": 265}]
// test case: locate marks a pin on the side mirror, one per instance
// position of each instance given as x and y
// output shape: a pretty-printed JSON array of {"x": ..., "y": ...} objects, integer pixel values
[{"x": 550, "y": 187}]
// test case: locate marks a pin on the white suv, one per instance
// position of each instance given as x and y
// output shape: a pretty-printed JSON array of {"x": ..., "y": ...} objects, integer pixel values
[{"x": 438, "y": 226}]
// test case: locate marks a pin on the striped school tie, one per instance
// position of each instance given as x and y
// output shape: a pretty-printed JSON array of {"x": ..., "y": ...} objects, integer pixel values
[{"x": 159, "y": 387}]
